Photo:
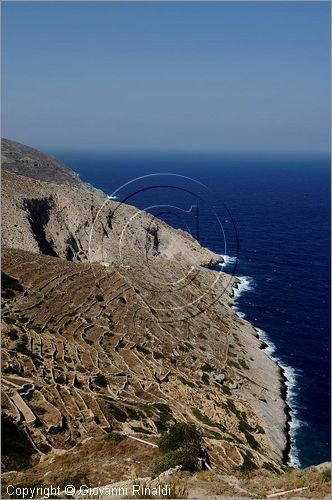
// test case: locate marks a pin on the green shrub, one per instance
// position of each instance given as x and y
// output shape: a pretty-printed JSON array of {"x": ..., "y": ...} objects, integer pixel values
[
  {"x": 206, "y": 367},
  {"x": 187, "y": 457},
  {"x": 23, "y": 319},
  {"x": 78, "y": 384},
  {"x": 326, "y": 475},
  {"x": 22, "y": 347},
  {"x": 100, "y": 380},
  {"x": 186, "y": 382},
  {"x": 270, "y": 467},
  {"x": 246, "y": 430},
  {"x": 161, "y": 426},
  {"x": 99, "y": 298},
  {"x": 248, "y": 464},
  {"x": 39, "y": 410},
  {"x": 118, "y": 413},
  {"x": 243, "y": 364},
  {"x": 37, "y": 328},
  {"x": 88, "y": 341},
  {"x": 162, "y": 407},
  {"x": 178, "y": 435},
  {"x": 157, "y": 355},
  {"x": 44, "y": 448},
  {"x": 133, "y": 414},
  {"x": 116, "y": 437},
  {"x": 142, "y": 349},
  {"x": 231, "y": 406},
  {"x": 165, "y": 416},
  {"x": 9, "y": 320},
  {"x": 12, "y": 334},
  {"x": 205, "y": 419}
]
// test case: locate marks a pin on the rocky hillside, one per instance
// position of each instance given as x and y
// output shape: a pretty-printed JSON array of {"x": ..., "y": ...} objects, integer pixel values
[
  {"x": 23, "y": 160},
  {"x": 56, "y": 214},
  {"x": 112, "y": 328}
]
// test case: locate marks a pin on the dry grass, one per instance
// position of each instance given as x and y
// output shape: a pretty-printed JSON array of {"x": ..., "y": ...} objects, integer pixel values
[
  {"x": 259, "y": 484},
  {"x": 97, "y": 462},
  {"x": 317, "y": 482},
  {"x": 100, "y": 461}
]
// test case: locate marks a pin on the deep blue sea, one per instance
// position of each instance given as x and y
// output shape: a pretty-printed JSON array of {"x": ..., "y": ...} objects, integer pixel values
[{"x": 275, "y": 213}]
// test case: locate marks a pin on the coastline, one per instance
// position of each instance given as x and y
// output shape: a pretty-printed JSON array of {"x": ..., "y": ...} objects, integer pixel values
[
  {"x": 287, "y": 379},
  {"x": 244, "y": 376},
  {"x": 288, "y": 384}
]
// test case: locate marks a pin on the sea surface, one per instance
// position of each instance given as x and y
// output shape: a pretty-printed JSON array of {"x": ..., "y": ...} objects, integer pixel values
[{"x": 271, "y": 216}]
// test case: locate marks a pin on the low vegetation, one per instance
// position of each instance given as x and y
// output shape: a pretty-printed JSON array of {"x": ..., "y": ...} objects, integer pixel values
[
  {"x": 116, "y": 437},
  {"x": 182, "y": 447}
]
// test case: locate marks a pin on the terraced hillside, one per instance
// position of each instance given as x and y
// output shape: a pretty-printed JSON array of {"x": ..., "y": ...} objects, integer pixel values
[{"x": 83, "y": 355}]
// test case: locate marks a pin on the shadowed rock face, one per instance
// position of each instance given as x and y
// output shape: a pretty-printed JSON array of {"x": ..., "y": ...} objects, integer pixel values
[
  {"x": 110, "y": 327},
  {"x": 38, "y": 211}
]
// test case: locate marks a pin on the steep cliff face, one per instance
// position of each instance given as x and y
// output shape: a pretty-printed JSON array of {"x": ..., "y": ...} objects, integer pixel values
[
  {"x": 61, "y": 216},
  {"x": 112, "y": 324}
]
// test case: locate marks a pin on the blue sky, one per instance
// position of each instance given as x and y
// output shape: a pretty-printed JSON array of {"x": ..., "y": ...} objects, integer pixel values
[{"x": 251, "y": 76}]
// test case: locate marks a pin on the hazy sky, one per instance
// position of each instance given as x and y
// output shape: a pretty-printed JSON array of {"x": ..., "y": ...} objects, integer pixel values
[{"x": 204, "y": 76}]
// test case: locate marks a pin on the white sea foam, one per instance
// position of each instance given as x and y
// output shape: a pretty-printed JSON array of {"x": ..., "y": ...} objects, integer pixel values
[
  {"x": 112, "y": 197},
  {"x": 246, "y": 284},
  {"x": 291, "y": 384},
  {"x": 228, "y": 260}
]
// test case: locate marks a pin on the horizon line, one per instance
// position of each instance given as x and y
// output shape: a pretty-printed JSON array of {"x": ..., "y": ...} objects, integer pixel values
[
  {"x": 184, "y": 151},
  {"x": 165, "y": 150}
]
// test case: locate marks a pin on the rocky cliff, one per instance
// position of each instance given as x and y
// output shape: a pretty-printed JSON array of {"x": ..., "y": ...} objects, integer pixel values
[
  {"x": 113, "y": 323},
  {"x": 47, "y": 209}
]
